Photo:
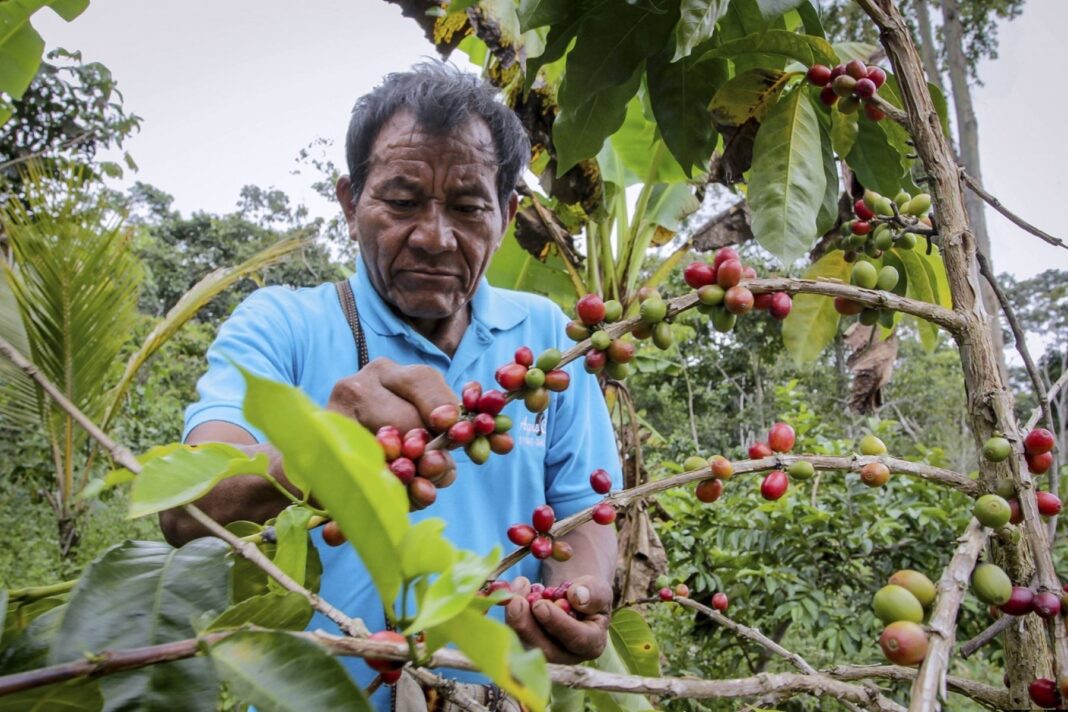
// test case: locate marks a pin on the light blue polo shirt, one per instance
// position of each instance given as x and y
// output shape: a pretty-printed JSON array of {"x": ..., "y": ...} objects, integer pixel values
[{"x": 301, "y": 337}]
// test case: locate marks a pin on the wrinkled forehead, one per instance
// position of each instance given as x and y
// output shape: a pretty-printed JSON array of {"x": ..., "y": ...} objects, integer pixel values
[{"x": 404, "y": 137}]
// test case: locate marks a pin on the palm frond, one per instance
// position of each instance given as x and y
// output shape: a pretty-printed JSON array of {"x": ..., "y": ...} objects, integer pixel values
[
  {"x": 74, "y": 279},
  {"x": 189, "y": 304},
  {"x": 20, "y": 398}
]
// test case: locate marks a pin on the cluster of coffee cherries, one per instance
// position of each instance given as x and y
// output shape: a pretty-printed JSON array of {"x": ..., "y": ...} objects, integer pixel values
[
  {"x": 882, "y": 223},
  {"x": 478, "y": 425},
  {"x": 605, "y": 353},
  {"x": 781, "y": 439},
  {"x": 414, "y": 465},
  {"x": 557, "y": 595},
  {"x": 850, "y": 86},
  {"x": 537, "y": 535},
  {"x": 721, "y": 295},
  {"x": 865, "y": 274},
  {"x": 902, "y": 605},
  {"x": 533, "y": 379},
  {"x": 1038, "y": 450},
  {"x": 667, "y": 593}
]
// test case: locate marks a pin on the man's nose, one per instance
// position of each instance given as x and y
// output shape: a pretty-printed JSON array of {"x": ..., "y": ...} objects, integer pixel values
[{"x": 433, "y": 231}]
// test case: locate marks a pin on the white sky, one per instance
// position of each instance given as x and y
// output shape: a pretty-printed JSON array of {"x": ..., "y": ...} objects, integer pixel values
[{"x": 231, "y": 90}]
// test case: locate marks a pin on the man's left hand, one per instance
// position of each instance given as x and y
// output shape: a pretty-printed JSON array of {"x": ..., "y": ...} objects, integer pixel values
[{"x": 562, "y": 638}]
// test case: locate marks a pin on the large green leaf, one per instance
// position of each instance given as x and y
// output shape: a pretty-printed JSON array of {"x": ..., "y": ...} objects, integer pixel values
[
  {"x": 828, "y": 213},
  {"x": 20, "y": 45},
  {"x": 634, "y": 643},
  {"x": 278, "y": 672},
  {"x": 74, "y": 696},
  {"x": 922, "y": 286},
  {"x": 787, "y": 181},
  {"x": 875, "y": 161},
  {"x": 248, "y": 580},
  {"x": 424, "y": 549},
  {"x": 813, "y": 322},
  {"x": 146, "y": 593},
  {"x": 848, "y": 51},
  {"x": 771, "y": 9},
  {"x": 844, "y": 129},
  {"x": 669, "y": 204},
  {"x": 638, "y": 145},
  {"x": 936, "y": 271},
  {"x": 453, "y": 590},
  {"x": 697, "y": 23},
  {"x": 497, "y": 652},
  {"x": 188, "y": 473},
  {"x": 679, "y": 93},
  {"x": 806, "y": 49},
  {"x": 27, "y": 648},
  {"x": 611, "y": 661},
  {"x": 538, "y": 13},
  {"x": 612, "y": 43},
  {"x": 559, "y": 39},
  {"x": 345, "y": 469},
  {"x": 291, "y": 553},
  {"x": 580, "y": 131},
  {"x": 749, "y": 95},
  {"x": 512, "y": 267},
  {"x": 285, "y": 611}
]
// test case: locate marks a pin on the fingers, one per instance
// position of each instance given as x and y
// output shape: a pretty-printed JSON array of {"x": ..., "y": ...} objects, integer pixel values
[
  {"x": 589, "y": 595},
  {"x": 581, "y": 638},
  {"x": 421, "y": 386},
  {"x": 363, "y": 397},
  {"x": 518, "y": 616}
]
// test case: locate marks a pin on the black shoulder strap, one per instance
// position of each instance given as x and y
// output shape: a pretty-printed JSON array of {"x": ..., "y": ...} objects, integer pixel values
[{"x": 352, "y": 316}]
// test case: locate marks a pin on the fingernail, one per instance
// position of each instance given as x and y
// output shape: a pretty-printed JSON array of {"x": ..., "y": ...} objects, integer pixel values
[
  {"x": 582, "y": 595},
  {"x": 541, "y": 610}
]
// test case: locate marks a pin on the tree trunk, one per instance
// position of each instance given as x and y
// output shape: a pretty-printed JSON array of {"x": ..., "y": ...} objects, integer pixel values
[
  {"x": 927, "y": 46},
  {"x": 968, "y": 148},
  {"x": 989, "y": 402}
]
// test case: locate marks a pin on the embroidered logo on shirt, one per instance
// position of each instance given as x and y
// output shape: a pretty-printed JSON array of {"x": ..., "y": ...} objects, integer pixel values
[{"x": 532, "y": 432}]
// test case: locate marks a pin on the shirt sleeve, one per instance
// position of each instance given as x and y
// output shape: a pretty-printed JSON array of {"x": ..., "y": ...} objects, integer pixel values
[
  {"x": 257, "y": 337},
  {"x": 581, "y": 439}
]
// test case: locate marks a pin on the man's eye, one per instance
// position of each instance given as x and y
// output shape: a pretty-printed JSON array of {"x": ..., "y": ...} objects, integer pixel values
[
  {"x": 468, "y": 209},
  {"x": 401, "y": 203}
]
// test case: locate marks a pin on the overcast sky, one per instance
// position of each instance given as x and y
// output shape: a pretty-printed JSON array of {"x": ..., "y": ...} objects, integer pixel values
[{"x": 231, "y": 90}]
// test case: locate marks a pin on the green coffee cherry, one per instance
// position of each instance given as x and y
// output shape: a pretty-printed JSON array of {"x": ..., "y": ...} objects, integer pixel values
[
  {"x": 907, "y": 240},
  {"x": 865, "y": 275},
  {"x": 613, "y": 310},
  {"x": 662, "y": 337},
  {"x": 711, "y": 295},
  {"x": 888, "y": 278},
  {"x": 600, "y": 340},
  {"x": 869, "y": 317},
  {"x": 918, "y": 206},
  {"x": 653, "y": 310},
  {"x": 548, "y": 359},
  {"x": 723, "y": 321}
]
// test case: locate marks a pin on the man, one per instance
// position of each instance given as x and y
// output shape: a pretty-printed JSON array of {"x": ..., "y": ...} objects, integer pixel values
[{"x": 433, "y": 162}]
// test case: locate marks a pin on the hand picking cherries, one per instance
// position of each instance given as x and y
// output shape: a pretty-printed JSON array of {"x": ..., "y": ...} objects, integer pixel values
[{"x": 850, "y": 86}]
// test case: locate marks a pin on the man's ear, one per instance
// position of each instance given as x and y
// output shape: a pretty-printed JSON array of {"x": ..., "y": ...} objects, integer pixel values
[{"x": 343, "y": 192}]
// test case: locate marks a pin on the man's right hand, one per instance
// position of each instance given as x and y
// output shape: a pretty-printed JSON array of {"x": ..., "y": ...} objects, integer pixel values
[{"x": 386, "y": 393}]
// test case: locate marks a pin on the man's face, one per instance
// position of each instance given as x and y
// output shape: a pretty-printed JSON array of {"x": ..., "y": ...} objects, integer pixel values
[{"x": 428, "y": 219}]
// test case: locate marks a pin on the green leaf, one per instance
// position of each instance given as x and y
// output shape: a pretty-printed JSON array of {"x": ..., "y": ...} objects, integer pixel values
[
  {"x": 538, "y": 13},
  {"x": 558, "y": 40},
  {"x": 936, "y": 271},
  {"x": 453, "y": 590},
  {"x": 291, "y": 554},
  {"x": 875, "y": 161},
  {"x": 188, "y": 473},
  {"x": 566, "y": 699},
  {"x": 806, "y": 49},
  {"x": 285, "y": 611},
  {"x": 787, "y": 181},
  {"x": 848, "y": 51},
  {"x": 74, "y": 696},
  {"x": 828, "y": 213},
  {"x": 634, "y": 643},
  {"x": 494, "y": 648},
  {"x": 697, "y": 23},
  {"x": 147, "y": 593},
  {"x": 248, "y": 580},
  {"x": 611, "y": 661},
  {"x": 813, "y": 322},
  {"x": 579, "y": 132},
  {"x": 749, "y": 95},
  {"x": 844, "y": 129},
  {"x": 345, "y": 469},
  {"x": 810, "y": 20},
  {"x": 512, "y": 267},
  {"x": 921, "y": 285},
  {"x": 425, "y": 551},
  {"x": 278, "y": 672},
  {"x": 26, "y": 647},
  {"x": 669, "y": 205},
  {"x": 637, "y": 145},
  {"x": 770, "y": 9},
  {"x": 679, "y": 92},
  {"x": 611, "y": 45}
]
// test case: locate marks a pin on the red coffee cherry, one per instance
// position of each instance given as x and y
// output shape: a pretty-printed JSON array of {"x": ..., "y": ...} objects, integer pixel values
[
  {"x": 818, "y": 75},
  {"x": 604, "y": 513},
  {"x": 543, "y": 518},
  {"x": 601, "y": 481},
  {"x": 521, "y": 534}
]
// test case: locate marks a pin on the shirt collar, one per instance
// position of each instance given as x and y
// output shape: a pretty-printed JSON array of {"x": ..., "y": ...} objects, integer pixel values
[{"x": 494, "y": 309}]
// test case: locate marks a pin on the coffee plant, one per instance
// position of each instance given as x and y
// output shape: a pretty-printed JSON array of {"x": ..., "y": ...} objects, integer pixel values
[{"x": 614, "y": 93}]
